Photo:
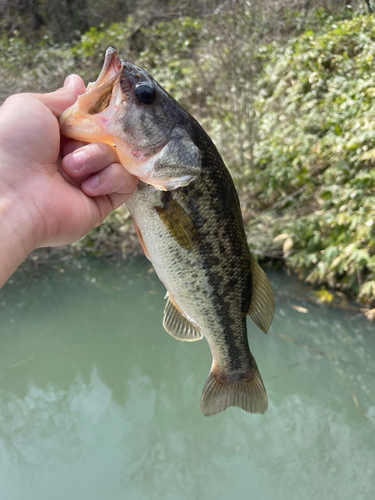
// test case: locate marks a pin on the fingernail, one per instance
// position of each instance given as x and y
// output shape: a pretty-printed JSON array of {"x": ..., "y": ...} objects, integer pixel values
[
  {"x": 77, "y": 160},
  {"x": 69, "y": 81},
  {"x": 92, "y": 183}
]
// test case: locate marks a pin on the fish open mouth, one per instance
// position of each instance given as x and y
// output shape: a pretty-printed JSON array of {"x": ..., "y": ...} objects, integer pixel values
[
  {"x": 124, "y": 108},
  {"x": 78, "y": 121},
  {"x": 112, "y": 67}
]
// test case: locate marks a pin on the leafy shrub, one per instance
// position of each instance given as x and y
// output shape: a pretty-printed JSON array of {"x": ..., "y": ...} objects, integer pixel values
[{"x": 317, "y": 151}]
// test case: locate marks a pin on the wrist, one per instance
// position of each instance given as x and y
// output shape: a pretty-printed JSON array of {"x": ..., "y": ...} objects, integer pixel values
[
  {"x": 15, "y": 243},
  {"x": 17, "y": 238}
]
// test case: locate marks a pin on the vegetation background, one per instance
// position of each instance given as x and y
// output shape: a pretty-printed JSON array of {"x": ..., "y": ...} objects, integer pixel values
[{"x": 285, "y": 88}]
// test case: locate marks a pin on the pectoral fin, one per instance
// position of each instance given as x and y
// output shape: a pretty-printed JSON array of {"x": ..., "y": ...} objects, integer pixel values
[
  {"x": 178, "y": 326},
  {"x": 177, "y": 164},
  {"x": 262, "y": 304},
  {"x": 177, "y": 222}
]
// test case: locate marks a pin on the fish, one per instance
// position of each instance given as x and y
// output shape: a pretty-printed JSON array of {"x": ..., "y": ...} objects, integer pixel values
[{"x": 188, "y": 218}]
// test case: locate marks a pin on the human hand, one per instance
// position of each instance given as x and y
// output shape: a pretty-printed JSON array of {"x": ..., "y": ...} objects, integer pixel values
[{"x": 46, "y": 200}]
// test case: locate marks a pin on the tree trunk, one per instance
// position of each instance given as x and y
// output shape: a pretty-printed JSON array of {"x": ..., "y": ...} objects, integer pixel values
[{"x": 368, "y": 6}]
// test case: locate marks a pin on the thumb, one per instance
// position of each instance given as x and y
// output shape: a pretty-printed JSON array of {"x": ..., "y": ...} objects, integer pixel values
[{"x": 62, "y": 98}]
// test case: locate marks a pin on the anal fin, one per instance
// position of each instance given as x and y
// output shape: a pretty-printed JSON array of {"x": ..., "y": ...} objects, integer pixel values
[
  {"x": 262, "y": 305},
  {"x": 178, "y": 326}
]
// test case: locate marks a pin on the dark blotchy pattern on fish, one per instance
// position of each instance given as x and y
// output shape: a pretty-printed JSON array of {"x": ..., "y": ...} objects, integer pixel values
[
  {"x": 215, "y": 186},
  {"x": 212, "y": 204}
]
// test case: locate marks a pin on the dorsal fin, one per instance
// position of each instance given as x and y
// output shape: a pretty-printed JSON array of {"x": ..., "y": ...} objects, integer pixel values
[
  {"x": 262, "y": 304},
  {"x": 177, "y": 325}
]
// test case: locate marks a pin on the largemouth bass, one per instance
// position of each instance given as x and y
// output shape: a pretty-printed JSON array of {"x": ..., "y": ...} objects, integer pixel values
[{"x": 187, "y": 215}]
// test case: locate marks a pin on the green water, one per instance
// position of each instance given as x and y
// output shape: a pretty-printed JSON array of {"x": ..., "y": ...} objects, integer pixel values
[{"x": 98, "y": 402}]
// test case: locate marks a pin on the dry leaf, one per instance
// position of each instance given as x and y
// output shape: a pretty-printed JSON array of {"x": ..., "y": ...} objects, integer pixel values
[
  {"x": 370, "y": 314},
  {"x": 281, "y": 237},
  {"x": 300, "y": 309},
  {"x": 288, "y": 245}
]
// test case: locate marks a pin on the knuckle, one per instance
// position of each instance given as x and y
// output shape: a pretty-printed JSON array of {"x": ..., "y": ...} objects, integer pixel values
[{"x": 16, "y": 99}]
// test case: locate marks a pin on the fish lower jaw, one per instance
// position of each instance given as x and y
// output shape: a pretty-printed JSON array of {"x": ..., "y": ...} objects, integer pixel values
[{"x": 77, "y": 126}]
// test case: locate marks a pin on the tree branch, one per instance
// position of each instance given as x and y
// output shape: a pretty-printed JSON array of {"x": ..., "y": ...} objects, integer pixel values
[{"x": 368, "y": 6}]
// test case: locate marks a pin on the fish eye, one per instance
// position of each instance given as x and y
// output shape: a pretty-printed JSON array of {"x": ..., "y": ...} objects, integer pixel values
[{"x": 145, "y": 93}]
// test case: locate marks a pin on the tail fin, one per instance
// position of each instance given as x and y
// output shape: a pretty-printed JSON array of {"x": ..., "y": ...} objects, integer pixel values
[{"x": 246, "y": 392}]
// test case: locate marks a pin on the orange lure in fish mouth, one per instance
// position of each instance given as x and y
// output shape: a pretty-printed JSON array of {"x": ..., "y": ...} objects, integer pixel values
[{"x": 128, "y": 110}]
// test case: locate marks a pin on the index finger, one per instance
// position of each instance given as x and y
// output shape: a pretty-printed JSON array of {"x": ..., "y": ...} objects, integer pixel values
[{"x": 89, "y": 159}]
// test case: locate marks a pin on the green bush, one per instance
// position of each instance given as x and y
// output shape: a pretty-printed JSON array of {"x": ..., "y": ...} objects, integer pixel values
[{"x": 317, "y": 151}]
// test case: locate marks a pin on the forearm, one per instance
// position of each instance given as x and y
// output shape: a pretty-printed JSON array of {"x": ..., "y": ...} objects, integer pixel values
[{"x": 15, "y": 239}]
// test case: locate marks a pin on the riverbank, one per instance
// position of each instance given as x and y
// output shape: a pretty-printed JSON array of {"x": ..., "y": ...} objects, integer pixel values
[{"x": 116, "y": 241}]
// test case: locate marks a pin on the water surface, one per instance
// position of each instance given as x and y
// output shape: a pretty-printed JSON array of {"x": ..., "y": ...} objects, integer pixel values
[{"x": 98, "y": 402}]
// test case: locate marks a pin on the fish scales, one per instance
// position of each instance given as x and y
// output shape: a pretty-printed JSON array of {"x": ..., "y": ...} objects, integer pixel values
[
  {"x": 218, "y": 285},
  {"x": 187, "y": 215}
]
